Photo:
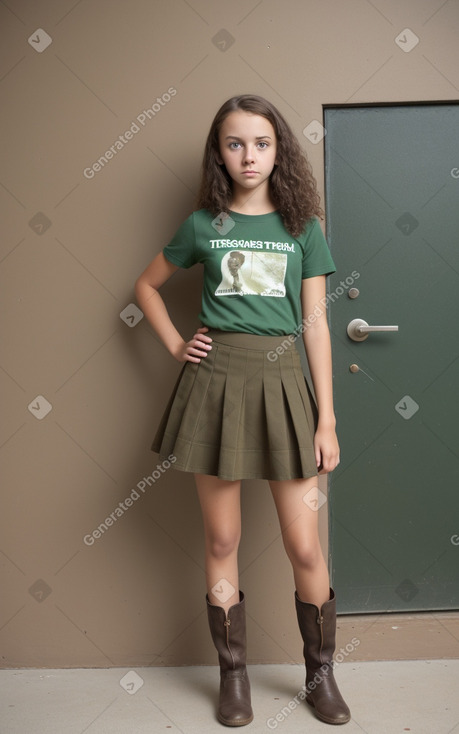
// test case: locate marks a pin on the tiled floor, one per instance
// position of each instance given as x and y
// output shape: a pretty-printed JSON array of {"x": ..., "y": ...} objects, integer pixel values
[{"x": 419, "y": 696}]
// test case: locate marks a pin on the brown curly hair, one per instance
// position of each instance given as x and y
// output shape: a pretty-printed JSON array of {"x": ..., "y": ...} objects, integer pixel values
[{"x": 293, "y": 186}]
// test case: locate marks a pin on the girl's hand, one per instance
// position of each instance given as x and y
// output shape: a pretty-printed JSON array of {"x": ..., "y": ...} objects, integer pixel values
[
  {"x": 196, "y": 348},
  {"x": 326, "y": 449}
]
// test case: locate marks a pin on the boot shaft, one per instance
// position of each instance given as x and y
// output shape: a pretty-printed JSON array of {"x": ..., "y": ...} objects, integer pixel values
[
  {"x": 318, "y": 630},
  {"x": 229, "y": 634}
]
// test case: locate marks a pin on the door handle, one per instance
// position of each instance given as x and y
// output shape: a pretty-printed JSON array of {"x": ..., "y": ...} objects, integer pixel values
[{"x": 358, "y": 329}]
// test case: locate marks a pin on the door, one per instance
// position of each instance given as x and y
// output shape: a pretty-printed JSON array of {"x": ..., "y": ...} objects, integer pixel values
[{"x": 392, "y": 212}]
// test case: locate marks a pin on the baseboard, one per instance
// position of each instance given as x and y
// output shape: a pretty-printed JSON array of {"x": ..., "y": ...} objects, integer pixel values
[{"x": 421, "y": 636}]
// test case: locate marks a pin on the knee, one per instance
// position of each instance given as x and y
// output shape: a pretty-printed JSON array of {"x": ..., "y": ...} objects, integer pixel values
[
  {"x": 305, "y": 555},
  {"x": 223, "y": 545}
]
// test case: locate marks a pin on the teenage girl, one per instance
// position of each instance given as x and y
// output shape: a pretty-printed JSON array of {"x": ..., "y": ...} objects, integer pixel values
[{"x": 241, "y": 407}]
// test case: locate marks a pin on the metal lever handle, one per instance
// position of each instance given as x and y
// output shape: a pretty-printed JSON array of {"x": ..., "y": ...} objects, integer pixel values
[{"x": 358, "y": 329}]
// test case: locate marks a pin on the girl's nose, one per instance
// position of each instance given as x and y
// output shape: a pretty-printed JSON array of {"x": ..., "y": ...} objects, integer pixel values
[{"x": 249, "y": 156}]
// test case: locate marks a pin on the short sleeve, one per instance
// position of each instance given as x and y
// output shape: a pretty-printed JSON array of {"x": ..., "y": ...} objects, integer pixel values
[
  {"x": 317, "y": 259},
  {"x": 181, "y": 250}
]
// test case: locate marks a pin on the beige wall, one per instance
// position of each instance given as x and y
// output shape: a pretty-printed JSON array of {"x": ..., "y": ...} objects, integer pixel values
[{"x": 136, "y": 596}]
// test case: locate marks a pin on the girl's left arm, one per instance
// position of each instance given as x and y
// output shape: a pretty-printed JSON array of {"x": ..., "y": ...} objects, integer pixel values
[{"x": 316, "y": 338}]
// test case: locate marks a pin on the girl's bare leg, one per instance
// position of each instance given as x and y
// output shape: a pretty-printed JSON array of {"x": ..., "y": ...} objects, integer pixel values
[
  {"x": 300, "y": 533},
  {"x": 221, "y": 511},
  {"x": 299, "y": 524}
]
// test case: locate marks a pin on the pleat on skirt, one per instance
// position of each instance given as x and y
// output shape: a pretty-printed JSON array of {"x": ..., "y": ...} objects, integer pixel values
[{"x": 244, "y": 412}]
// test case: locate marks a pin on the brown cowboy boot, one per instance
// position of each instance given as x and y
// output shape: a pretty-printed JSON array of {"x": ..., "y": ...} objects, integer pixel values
[
  {"x": 229, "y": 637},
  {"x": 318, "y": 630}
]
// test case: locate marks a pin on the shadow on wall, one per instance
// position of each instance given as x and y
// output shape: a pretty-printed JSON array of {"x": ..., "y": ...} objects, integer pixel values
[{"x": 168, "y": 508}]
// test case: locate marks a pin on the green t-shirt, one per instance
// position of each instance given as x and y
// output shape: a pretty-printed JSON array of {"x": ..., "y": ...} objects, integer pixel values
[{"x": 253, "y": 268}]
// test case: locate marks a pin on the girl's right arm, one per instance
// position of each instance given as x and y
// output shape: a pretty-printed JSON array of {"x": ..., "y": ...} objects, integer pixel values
[{"x": 153, "y": 307}]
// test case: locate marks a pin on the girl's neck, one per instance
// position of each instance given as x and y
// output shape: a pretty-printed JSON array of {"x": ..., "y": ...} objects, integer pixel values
[
  {"x": 255, "y": 211},
  {"x": 253, "y": 203}
]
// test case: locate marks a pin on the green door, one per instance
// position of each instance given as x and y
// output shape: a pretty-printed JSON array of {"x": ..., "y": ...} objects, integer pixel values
[{"x": 392, "y": 205}]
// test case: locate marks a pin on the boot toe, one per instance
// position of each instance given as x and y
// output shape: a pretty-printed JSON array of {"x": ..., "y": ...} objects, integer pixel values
[
  {"x": 235, "y": 708},
  {"x": 331, "y": 711},
  {"x": 239, "y": 719}
]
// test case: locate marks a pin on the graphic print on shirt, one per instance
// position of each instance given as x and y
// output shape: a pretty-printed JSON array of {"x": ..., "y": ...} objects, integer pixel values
[{"x": 253, "y": 274}]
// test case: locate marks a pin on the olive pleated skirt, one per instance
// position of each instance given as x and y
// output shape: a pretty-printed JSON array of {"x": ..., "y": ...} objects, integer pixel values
[{"x": 244, "y": 412}]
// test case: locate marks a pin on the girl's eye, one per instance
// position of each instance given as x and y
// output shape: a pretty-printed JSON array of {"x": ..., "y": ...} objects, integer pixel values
[{"x": 235, "y": 145}]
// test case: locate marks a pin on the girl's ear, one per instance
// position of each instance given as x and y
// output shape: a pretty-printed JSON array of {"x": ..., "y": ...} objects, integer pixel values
[{"x": 218, "y": 158}]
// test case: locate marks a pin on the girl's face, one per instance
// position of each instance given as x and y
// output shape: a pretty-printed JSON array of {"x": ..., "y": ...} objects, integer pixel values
[{"x": 248, "y": 149}]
